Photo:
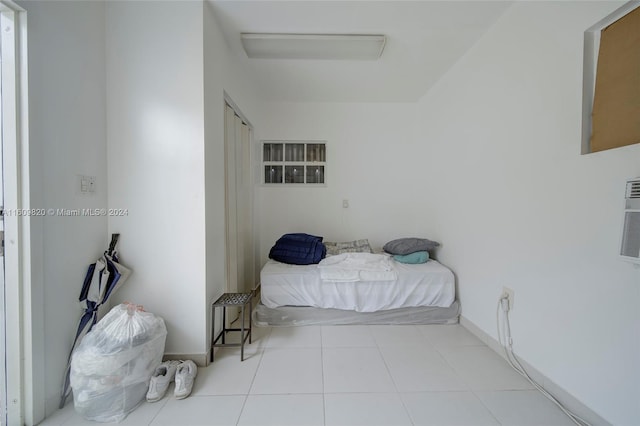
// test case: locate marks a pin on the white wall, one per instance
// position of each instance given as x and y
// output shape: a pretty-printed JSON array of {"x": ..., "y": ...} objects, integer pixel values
[
  {"x": 133, "y": 71},
  {"x": 222, "y": 74},
  {"x": 67, "y": 137},
  {"x": 517, "y": 204},
  {"x": 370, "y": 163},
  {"x": 155, "y": 115},
  {"x": 488, "y": 163}
]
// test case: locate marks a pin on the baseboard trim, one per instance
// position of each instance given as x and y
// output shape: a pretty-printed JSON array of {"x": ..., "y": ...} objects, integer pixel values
[
  {"x": 567, "y": 399},
  {"x": 201, "y": 360}
]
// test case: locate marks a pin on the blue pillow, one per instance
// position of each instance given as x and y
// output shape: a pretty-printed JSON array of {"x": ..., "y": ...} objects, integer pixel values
[
  {"x": 409, "y": 245},
  {"x": 415, "y": 257}
]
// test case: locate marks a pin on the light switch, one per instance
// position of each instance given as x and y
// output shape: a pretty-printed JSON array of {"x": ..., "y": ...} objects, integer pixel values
[
  {"x": 85, "y": 185},
  {"x": 345, "y": 204}
]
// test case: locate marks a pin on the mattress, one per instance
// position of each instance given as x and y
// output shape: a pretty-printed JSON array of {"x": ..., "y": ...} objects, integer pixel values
[{"x": 426, "y": 284}]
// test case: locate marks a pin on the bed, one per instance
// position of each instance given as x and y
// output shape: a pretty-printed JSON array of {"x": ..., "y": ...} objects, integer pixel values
[{"x": 301, "y": 295}]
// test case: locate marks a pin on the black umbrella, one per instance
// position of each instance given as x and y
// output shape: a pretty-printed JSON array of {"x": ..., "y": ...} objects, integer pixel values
[{"x": 103, "y": 278}]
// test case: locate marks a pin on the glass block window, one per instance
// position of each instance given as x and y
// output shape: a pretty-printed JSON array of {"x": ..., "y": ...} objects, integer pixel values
[
  {"x": 273, "y": 174},
  {"x": 294, "y": 152},
  {"x": 294, "y": 162},
  {"x": 272, "y": 152},
  {"x": 315, "y": 174}
]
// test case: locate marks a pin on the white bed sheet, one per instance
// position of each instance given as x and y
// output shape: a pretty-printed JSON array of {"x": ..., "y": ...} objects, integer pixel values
[{"x": 427, "y": 284}]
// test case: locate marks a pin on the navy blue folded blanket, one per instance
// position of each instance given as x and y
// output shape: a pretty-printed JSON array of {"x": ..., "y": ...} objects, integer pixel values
[{"x": 298, "y": 249}]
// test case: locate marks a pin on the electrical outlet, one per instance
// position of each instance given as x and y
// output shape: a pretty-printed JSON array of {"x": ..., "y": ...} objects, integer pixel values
[{"x": 506, "y": 291}]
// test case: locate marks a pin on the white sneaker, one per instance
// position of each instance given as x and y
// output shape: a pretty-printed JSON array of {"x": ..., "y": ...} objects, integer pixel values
[
  {"x": 185, "y": 376},
  {"x": 163, "y": 375}
]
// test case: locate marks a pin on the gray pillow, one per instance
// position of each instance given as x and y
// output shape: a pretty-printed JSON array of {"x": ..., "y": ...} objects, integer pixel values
[
  {"x": 356, "y": 246},
  {"x": 409, "y": 245}
]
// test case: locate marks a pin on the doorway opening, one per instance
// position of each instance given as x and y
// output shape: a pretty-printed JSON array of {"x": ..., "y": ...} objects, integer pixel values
[{"x": 17, "y": 402}]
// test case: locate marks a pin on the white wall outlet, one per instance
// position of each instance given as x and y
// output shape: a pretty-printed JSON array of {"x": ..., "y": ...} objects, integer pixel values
[
  {"x": 506, "y": 291},
  {"x": 345, "y": 204}
]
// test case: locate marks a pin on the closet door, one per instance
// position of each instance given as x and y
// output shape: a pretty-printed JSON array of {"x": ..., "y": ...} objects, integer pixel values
[
  {"x": 247, "y": 197},
  {"x": 244, "y": 205},
  {"x": 240, "y": 208},
  {"x": 239, "y": 204},
  {"x": 231, "y": 201}
]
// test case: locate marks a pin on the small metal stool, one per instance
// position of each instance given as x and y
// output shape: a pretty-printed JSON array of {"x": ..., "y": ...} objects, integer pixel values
[{"x": 230, "y": 299}]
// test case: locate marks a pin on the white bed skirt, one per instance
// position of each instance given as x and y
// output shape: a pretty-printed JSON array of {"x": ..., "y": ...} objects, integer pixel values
[{"x": 289, "y": 316}]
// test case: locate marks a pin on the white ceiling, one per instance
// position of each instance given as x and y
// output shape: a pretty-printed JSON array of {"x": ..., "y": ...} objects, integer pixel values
[{"x": 424, "y": 39}]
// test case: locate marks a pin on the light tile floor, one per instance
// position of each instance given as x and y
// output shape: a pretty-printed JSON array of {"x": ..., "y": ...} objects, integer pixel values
[{"x": 351, "y": 375}]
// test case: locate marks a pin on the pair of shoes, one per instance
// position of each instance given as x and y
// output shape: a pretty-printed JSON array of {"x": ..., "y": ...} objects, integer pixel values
[
  {"x": 185, "y": 376},
  {"x": 162, "y": 377},
  {"x": 182, "y": 372}
]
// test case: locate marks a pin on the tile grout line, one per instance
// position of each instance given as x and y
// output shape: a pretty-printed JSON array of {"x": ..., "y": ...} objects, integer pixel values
[
  {"x": 159, "y": 410},
  {"x": 246, "y": 397},
  {"x": 324, "y": 403},
  {"x": 453, "y": 368},
  {"x": 395, "y": 385},
  {"x": 475, "y": 395},
  {"x": 470, "y": 389}
]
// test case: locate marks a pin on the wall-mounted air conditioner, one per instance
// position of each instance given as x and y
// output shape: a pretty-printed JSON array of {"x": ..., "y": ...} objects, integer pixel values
[{"x": 630, "y": 245}]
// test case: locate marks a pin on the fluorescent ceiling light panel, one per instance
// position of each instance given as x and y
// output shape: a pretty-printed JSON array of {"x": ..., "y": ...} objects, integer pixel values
[{"x": 356, "y": 47}]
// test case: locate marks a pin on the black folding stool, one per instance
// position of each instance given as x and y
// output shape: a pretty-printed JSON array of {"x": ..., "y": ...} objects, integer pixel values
[{"x": 231, "y": 299}]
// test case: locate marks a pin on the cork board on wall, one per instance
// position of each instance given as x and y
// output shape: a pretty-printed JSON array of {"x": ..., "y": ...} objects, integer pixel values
[{"x": 616, "y": 103}]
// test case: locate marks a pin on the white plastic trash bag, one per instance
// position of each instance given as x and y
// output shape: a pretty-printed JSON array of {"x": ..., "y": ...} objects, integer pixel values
[{"x": 112, "y": 366}]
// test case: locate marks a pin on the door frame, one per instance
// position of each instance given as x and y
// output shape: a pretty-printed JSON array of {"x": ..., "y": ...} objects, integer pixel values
[
  {"x": 23, "y": 407},
  {"x": 231, "y": 247}
]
